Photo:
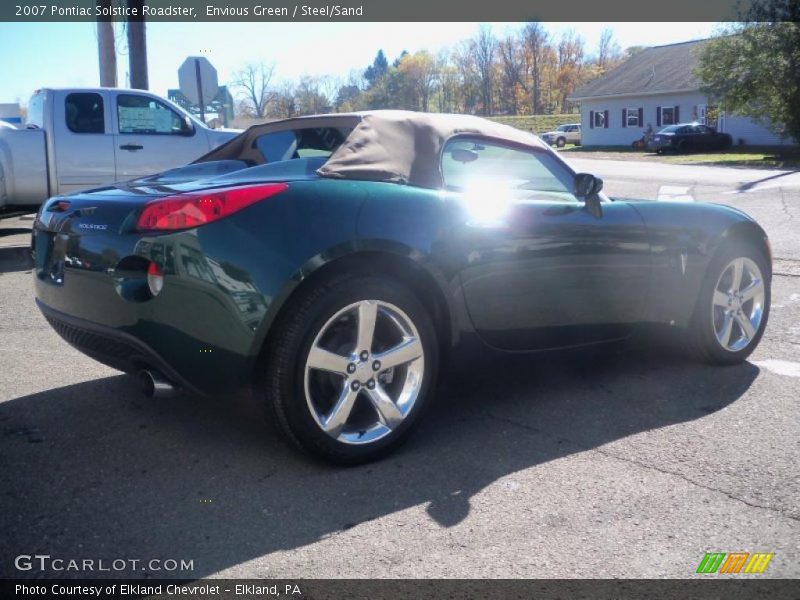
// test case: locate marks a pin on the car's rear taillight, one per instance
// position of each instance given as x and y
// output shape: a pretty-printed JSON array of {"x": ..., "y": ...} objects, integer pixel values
[{"x": 193, "y": 209}]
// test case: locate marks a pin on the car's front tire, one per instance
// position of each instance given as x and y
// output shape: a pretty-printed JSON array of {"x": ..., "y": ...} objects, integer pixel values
[
  {"x": 350, "y": 368},
  {"x": 561, "y": 142},
  {"x": 733, "y": 305}
]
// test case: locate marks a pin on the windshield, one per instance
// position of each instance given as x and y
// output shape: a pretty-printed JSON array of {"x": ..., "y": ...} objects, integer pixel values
[
  {"x": 562, "y": 128},
  {"x": 670, "y": 129}
]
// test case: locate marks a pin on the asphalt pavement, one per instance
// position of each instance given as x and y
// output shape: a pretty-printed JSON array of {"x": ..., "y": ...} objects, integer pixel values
[{"x": 628, "y": 461}]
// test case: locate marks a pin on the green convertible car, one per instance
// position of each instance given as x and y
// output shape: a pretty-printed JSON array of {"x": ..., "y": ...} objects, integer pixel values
[{"x": 333, "y": 262}]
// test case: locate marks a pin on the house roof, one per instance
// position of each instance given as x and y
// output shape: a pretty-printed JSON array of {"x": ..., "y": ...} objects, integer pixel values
[{"x": 656, "y": 70}]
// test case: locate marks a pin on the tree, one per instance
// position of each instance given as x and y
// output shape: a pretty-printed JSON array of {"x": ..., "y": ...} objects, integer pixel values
[
  {"x": 754, "y": 68},
  {"x": 608, "y": 51},
  {"x": 377, "y": 70},
  {"x": 570, "y": 66},
  {"x": 512, "y": 72},
  {"x": 309, "y": 96},
  {"x": 254, "y": 81},
  {"x": 417, "y": 75},
  {"x": 484, "y": 47},
  {"x": 536, "y": 44}
]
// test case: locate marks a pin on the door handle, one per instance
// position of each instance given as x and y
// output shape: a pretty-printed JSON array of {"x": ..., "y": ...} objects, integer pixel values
[{"x": 131, "y": 147}]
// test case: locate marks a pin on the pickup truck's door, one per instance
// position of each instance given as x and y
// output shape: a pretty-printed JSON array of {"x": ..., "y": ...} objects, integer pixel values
[
  {"x": 152, "y": 136},
  {"x": 540, "y": 270},
  {"x": 83, "y": 141}
]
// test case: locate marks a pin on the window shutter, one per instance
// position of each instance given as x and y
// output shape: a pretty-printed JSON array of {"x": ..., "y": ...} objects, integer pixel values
[
  {"x": 624, "y": 117},
  {"x": 605, "y": 120},
  {"x": 591, "y": 119},
  {"x": 658, "y": 116},
  {"x": 677, "y": 114},
  {"x": 641, "y": 117}
]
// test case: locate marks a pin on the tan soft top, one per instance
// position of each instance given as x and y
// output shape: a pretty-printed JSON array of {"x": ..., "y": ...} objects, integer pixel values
[{"x": 384, "y": 145}]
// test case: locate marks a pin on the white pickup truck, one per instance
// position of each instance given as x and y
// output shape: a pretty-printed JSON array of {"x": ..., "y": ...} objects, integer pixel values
[{"x": 81, "y": 138}]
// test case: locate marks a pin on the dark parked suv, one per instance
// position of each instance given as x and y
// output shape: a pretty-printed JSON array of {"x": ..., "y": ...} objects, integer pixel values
[{"x": 689, "y": 137}]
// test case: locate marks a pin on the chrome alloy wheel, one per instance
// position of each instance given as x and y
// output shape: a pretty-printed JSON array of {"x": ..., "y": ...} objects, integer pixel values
[
  {"x": 364, "y": 372},
  {"x": 738, "y": 304}
]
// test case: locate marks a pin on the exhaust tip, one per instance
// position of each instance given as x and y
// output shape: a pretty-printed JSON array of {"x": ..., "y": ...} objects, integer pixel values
[{"x": 155, "y": 385}]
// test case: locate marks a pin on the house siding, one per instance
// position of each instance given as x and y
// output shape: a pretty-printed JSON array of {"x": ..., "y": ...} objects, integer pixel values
[{"x": 739, "y": 127}]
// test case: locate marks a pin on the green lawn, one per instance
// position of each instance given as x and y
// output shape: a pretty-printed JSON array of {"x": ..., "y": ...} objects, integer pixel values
[
  {"x": 786, "y": 158},
  {"x": 538, "y": 123},
  {"x": 737, "y": 158}
]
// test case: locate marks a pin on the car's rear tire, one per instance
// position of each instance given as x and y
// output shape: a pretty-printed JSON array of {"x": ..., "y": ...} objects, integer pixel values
[
  {"x": 733, "y": 305},
  {"x": 331, "y": 396},
  {"x": 561, "y": 142}
]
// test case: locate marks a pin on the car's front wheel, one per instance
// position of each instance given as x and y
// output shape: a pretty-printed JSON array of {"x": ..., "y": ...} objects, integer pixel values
[
  {"x": 733, "y": 305},
  {"x": 561, "y": 142},
  {"x": 349, "y": 370}
]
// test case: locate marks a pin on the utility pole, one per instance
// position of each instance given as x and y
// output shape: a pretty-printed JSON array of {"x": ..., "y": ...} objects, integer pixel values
[
  {"x": 137, "y": 46},
  {"x": 106, "y": 47}
]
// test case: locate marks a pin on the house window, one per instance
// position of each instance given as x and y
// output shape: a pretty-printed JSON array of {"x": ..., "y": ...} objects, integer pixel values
[
  {"x": 599, "y": 118},
  {"x": 668, "y": 115},
  {"x": 632, "y": 117}
]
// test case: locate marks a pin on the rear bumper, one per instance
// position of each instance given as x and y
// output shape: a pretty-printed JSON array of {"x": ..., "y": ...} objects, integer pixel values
[{"x": 111, "y": 347}]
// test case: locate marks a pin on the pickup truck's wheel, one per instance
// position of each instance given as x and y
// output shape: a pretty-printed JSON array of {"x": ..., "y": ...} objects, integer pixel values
[
  {"x": 733, "y": 305},
  {"x": 350, "y": 369},
  {"x": 561, "y": 142}
]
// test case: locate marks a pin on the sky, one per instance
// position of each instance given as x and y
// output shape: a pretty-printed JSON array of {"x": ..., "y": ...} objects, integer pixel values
[{"x": 35, "y": 55}]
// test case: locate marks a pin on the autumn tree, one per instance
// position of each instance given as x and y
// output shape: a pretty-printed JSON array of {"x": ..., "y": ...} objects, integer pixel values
[
  {"x": 535, "y": 42},
  {"x": 484, "y": 47}
]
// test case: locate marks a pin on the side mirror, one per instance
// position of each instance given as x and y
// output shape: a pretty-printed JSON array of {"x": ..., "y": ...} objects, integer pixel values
[
  {"x": 187, "y": 127},
  {"x": 587, "y": 185}
]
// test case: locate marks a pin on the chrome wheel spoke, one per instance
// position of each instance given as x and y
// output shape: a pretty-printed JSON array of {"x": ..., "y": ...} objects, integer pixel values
[
  {"x": 738, "y": 268},
  {"x": 388, "y": 411},
  {"x": 367, "y": 315},
  {"x": 324, "y": 360},
  {"x": 410, "y": 349},
  {"x": 335, "y": 421},
  {"x": 721, "y": 299},
  {"x": 755, "y": 288},
  {"x": 746, "y": 326},
  {"x": 724, "y": 334}
]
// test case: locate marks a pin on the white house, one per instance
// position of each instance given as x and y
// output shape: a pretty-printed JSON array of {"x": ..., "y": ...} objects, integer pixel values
[{"x": 657, "y": 87}]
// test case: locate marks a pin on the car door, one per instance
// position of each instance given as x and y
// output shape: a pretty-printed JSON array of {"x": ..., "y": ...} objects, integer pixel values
[
  {"x": 708, "y": 139},
  {"x": 541, "y": 268},
  {"x": 83, "y": 141},
  {"x": 152, "y": 136}
]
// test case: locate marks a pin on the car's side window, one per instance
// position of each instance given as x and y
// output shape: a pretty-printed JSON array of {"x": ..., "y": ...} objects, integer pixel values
[
  {"x": 316, "y": 142},
  {"x": 144, "y": 115},
  {"x": 84, "y": 113},
  {"x": 528, "y": 174}
]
